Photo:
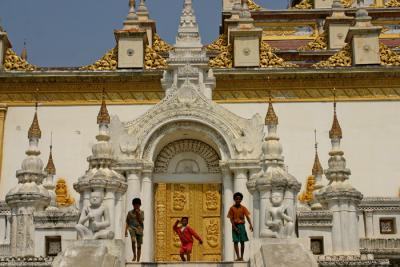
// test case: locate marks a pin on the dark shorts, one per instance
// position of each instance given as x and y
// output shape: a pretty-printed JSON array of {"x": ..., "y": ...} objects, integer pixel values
[
  {"x": 136, "y": 236},
  {"x": 241, "y": 235}
]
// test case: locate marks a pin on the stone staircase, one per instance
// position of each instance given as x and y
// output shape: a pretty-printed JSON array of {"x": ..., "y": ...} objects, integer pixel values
[{"x": 188, "y": 264}]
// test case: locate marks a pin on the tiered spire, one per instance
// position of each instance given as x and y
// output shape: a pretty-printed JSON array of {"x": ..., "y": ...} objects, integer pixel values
[
  {"x": 103, "y": 117},
  {"x": 188, "y": 32},
  {"x": 50, "y": 167},
  {"x": 336, "y": 131},
  {"x": 271, "y": 118},
  {"x": 49, "y": 182},
  {"x": 317, "y": 167}
]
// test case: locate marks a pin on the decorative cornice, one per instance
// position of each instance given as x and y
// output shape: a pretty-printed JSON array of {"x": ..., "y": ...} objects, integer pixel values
[
  {"x": 350, "y": 260},
  {"x": 269, "y": 59},
  {"x": 343, "y": 58}
]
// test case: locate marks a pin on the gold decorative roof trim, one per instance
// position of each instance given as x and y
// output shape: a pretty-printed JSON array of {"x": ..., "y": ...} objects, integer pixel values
[
  {"x": 253, "y": 6},
  {"x": 34, "y": 130},
  {"x": 218, "y": 44},
  {"x": 341, "y": 59},
  {"x": 268, "y": 59},
  {"x": 108, "y": 62},
  {"x": 317, "y": 167},
  {"x": 153, "y": 60},
  {"x": 347, "y": 3},
  {"x": 392, "y": 3},
  {"x": 159, "y": 45},
  {"x": 307, "y": 195},
  {"x": 271, "y": 118},
  {"x": 50, "y": 167},
  {"x": 388, "y": 56},
  {"x": 224, "y": 59},
  {"x": 12, "y": 62},
  {"x": 103, "y": 117},
  {"x": 304, "y": 4},
  {"x": 319, "y": 43}
]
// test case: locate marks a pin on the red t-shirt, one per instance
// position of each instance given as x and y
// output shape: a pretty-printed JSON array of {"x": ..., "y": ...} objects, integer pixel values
[{"x": 186, "y": 236}]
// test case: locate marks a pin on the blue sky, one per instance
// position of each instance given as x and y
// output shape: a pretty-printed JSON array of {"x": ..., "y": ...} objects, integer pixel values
[{"x": 77, "y": 32}]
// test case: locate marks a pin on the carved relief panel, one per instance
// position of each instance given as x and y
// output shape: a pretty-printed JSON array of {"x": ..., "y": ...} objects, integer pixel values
[{"x": 202, "y": 204}]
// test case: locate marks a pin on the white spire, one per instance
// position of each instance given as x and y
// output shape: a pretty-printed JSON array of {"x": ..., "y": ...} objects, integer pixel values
[{"x": 188, "y": 32}]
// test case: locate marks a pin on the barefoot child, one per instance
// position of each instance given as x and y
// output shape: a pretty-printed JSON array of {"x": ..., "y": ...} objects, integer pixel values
[
  {"x": 186, "y": 233},
  {"x": 134, "y": 223},
  {"x": 236, "y": 214}
]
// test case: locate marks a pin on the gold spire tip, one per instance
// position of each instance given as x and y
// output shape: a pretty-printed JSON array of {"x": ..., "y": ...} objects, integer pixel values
[
  {"x": 336, "y": 131},
  {"x": 103, "y": 117},
  {"x": 271, "y": 118}
]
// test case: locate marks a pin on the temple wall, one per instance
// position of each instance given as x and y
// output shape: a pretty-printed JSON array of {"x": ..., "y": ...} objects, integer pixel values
[{"x": 370, "y": 129}]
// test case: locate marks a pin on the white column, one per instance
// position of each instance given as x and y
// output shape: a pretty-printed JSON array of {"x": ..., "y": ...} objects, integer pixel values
[
  {"x": 133, "y": 190},
  {"x": 264, "y": 206},
  {"x": 336, "y": 233},
  {"x": 109, "y": 200},
  {"x": 228, "y": 202},
  {"x": 239, "y": 185},
  {"x": 345, "y": 224},
  {"x": 147, "y": 204},
  {"x": 369, "y": 223},
  {"x": 354, "y": 240},
  {"x": 256, "y": 214},
  {"x": 119, "y": 216}
]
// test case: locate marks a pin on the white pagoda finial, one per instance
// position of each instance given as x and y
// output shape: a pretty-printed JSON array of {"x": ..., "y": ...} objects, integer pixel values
[{"x": 188, "y": 32}]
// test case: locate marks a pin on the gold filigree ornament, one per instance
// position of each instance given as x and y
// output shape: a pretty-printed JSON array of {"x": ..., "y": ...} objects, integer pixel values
[
  {"x": 268, "y": 59},
  {"x": 319, "y": 43},
  {"x": 304, "y": 4},
  {"x": 12, "y": 62},
  {"x": 253, "y": 6},
  {"x": 392, "y": 3},
  {"x": 63, "y": 197},
  {"x": 347, "y": 3},
  {"x": 153, "y": 60},
  {"x": 388, "y": 56},
  {"x": 159, "y": 45},
  {"x": 108, "y": 62},
  {"x": 219, "y": 44},
  {"x": 340, "y": 59},
  {"x": 224, "y": 59},
  {"x": 307, "y": 196}
]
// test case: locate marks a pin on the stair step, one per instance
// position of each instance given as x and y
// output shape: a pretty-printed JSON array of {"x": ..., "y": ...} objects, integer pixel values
[{"x": 188, "y": 264}]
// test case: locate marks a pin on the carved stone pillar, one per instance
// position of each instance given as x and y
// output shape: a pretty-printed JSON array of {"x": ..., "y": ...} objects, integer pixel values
[
  {"x": 336, "y": 229},
  {"x": 228, "y": 200},
  {"x": 147, "y": 204},
  {"x": 369, "y": 223},
  {"x": 3, "y": 112},
  {"x": 239, "y": 184},
  {"x": 119, "y": 216}
]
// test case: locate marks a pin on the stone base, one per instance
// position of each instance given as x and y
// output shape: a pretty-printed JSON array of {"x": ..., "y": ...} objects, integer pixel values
[
  {"x": 187, "y": 264},
  {"x": 274, "y": 252},
  {"x": 92, "y": 253}
]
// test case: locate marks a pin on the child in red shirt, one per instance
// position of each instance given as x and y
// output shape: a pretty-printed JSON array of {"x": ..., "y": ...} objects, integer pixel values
[{"x": 186, "y": 234}]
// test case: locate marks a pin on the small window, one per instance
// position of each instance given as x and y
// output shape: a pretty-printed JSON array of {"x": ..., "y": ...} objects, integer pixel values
[
  {"x": 317, "y": 245},
  {"x": 387, "y": 225},
  {"x": 53, "y": 245}
]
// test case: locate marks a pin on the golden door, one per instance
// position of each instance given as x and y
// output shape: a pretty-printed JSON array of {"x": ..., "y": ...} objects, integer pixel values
[{"x": 202, "y": 204}]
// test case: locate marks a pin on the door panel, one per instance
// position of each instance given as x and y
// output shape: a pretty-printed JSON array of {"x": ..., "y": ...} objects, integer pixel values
[{"x": 202, "y": 204}]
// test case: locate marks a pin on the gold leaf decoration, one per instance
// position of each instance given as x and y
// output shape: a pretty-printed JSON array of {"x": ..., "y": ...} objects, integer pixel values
[
  {"x": 153, "y": 60},
  {"x": 218, "y": 44},
  {"x": 341, "y": 59},
  {"x": 159, "y": 45},
  {"x": 304, "y": 4},
  {"x": 12, "y": 62},
  {"x": 319, "y": 43},
  {"x": 252, "y": 5},
  {"x": 108, "y": 62},
  {"x": 224, "y": 58},
  {"x": 307, "y": 196},
  {"x": 268, "y": 59},
  {"x": 388, "y": 56},
  {"x": 392, "y": 3},
  {"x": 347, "y": 3}
]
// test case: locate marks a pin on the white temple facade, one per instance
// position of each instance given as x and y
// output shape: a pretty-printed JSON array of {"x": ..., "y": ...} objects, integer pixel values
[{"x": 187, "y": 153}]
